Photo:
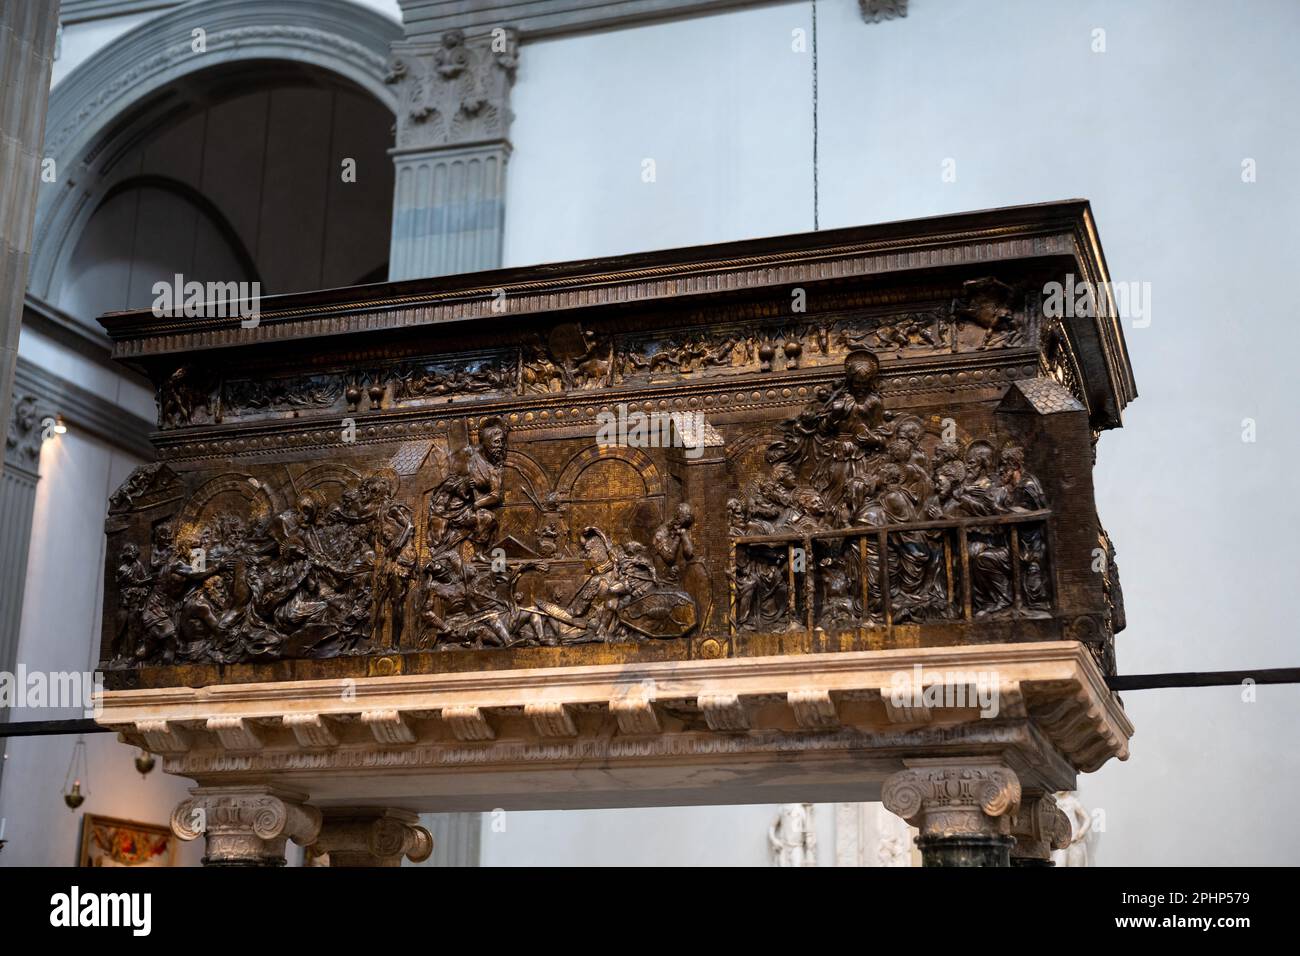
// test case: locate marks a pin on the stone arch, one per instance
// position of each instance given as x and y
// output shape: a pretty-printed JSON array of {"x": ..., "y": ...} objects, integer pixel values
[{"x": 107, "y": 103}]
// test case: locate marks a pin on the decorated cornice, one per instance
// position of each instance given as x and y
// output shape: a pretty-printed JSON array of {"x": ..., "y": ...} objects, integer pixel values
[
  {"x": 1061, "y": 232},
  {"x": 606, "y": 717},
  {"x": 429, "y": 18}
]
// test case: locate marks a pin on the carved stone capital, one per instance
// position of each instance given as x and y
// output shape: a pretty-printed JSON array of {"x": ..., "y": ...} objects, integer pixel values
[
  {"x": 951, "y": 800},
  {"x": 456, "y": 91},
  {"x": 371, "y": 837},
  {"x": 1039, "y": 827},
  {"x": 23, "y": 436},
  {"x": 246, "y": 826}
]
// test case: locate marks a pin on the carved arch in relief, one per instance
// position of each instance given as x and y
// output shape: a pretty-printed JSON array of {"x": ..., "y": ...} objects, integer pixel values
[
  {"x": 329, "y": 479},
  {"x": 615, "y": 488},
  {"x": 253, "y": 500},
  {"x": 746, "y": 456},
  {"x": 526, "y": 485}
]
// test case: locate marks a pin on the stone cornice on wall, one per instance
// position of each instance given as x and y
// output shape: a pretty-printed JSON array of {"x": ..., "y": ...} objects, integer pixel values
[
  {"x": 82, "y": 11},
  {"x": 84, "y": 411},
  {"x": 428, "y": 19}
]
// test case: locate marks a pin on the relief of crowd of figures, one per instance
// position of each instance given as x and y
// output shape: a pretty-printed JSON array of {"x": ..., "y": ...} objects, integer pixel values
[
  {"x": 962, "y": 530},
  {"x": 954, "y": 518},
  {"x": 567, "y": 358},
  {"x": 321, "y": 580}
]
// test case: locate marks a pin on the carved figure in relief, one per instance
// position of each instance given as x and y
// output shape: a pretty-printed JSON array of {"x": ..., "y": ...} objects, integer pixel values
[
  {"x": 761, "y": 588},
  {"x": 681, "y": 355},
  {"x": 173, "y": 580},
  {"x": 183, "y": 399},
  {"x": 386, "y": 544},
  {"x": 435, "y": 381},
  {"x": 990, "y": 554},
  {"x": 133, "y": 582},
  {"x": 569, "y": 358},
  {"x": 469, "y": 600},
  {"x": 987, "y": 302},
  {"x": 622, "y": 595},
  {"x": 474, "y": 613},
  {"x": 673, "y": 546},
  {"x": 836, "y": 443},
  {"x": 463, "y": 506},
  {"x": 1021, "y": 491},
  {"x": 677, "y": 563},
  {"x": 146, "y": 479},
  {"x": 305, "y": 391},
  {"x": 912, "y": 331}
]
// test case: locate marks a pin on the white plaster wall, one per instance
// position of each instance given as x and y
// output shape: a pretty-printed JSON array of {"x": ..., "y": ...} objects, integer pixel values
[
  {"x": 1154, "y": 132},
  {"x": 78, "y": 42},
  {"x": 653, "y": 836}
]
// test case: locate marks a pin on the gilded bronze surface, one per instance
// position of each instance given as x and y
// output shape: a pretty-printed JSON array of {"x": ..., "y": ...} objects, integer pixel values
[{"x": 848, "y": 440}]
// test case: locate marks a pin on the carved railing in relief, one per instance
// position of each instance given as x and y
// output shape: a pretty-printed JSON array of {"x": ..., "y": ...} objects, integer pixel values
[{"x": 960, "y": 569}]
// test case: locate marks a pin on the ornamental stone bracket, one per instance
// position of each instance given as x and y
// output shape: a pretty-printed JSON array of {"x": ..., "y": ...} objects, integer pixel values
[{"x": 775, "y": 729}]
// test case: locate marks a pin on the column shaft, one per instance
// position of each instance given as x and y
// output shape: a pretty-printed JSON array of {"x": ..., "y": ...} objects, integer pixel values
[{"x": 27, "y": 29}]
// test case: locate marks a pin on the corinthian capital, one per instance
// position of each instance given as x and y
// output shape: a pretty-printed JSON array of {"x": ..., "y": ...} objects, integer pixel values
[
  {"x": 246, "y": 826},
  {"x": 454, "y": 92},
  {"x": 954, "y": 800},
  {"x": 23, "y": 436}
]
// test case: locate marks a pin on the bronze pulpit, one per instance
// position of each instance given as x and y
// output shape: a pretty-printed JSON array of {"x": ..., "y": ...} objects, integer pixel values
[{"x": 694, "y": 526}]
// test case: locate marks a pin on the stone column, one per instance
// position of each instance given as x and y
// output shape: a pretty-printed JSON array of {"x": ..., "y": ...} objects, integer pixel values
[
  {"x": 22, "y": 458},
  {"x": 962, "y": 806},
  {"x": 17, "y": 498},
  {"x": 453, "y": 142},
  {"x": 1039, "y": 827},
  {"x": 27, "y": 29},
  {"x": 246, "y": 826},
  {"x": 371, "y": 837}
]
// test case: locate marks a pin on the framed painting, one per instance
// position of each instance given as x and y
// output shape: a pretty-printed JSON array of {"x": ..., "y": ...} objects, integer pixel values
[{"x": 107, "y": 841}]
